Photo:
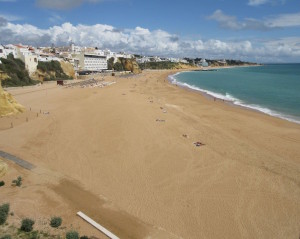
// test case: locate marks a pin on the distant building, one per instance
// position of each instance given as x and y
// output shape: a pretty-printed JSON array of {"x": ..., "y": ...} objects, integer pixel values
[
  {"x": 223, "y": 62},
  {"x": 22, "y": 51},
  {"x": 6, "y": 50},
  {"x": 2, "y": 52},
  {"x": 183, "y": 61},
  {"x": 142, "y": 60},
  {"x": 48, "y": 58},
  {"x": 92, "y": 62},
  {"x": 75, "y": 49},
  {"x": 203, "y": 63}
]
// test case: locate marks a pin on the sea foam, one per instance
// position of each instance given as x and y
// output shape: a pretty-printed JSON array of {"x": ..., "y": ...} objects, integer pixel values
[{"x": 229, "y": 98}]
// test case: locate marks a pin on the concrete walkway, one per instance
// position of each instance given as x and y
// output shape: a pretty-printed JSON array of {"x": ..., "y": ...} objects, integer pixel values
[{"x": 17, "y": 160}]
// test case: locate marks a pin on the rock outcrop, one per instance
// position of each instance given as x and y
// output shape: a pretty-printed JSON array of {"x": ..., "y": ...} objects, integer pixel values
[
  {"x": 131, "y": 65},
  {"x": 8, "y": 105}
]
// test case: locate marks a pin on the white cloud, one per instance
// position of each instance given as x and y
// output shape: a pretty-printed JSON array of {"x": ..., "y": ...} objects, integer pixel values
[
  {"x": 257, "y": 2},
  {"x": 55, "y": 18},
  {"x": 225, "y": 21},
  {"x": 231, "y": 22},
  {"x": 284, "y": 20},
  {"x": 62, "y": 4},
  {"x": 143, "y": 41},
  {"x": 10, "y": 17},
  {"x": 261, "y": 2}
]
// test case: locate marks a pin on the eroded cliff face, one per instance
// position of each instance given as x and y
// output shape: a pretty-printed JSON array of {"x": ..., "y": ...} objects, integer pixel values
[
  {"x": 131, "y": 65},
  {"x": 68, "y": 69},
  {"x": 8, "y": 105}
]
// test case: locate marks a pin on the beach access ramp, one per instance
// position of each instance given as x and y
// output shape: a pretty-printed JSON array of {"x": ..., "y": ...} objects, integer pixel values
[
  {"x": 96, "y": 225},
  {"x": 16, "y": 160}
]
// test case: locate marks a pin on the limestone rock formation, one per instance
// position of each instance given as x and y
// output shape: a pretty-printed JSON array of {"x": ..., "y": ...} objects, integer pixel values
[
  {"x": 131, "y": 65},
  {"x": 8, "y": 105}
]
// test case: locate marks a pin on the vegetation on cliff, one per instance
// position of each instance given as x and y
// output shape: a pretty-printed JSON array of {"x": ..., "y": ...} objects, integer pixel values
[
  {"x": 16, "y": 72},
  {"x": 52, "y": 71},
  {"x": 163, "y": 65},
  {"x": 229, "y": 63}
]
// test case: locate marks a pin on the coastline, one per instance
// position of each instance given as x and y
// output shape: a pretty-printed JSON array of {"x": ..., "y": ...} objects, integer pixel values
[
  {"x": 229, "y": 100},
  {"x": 125, "y": 155}
]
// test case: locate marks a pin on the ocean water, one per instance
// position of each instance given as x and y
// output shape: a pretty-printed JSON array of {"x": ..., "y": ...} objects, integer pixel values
[{"x": 273, "y": 89}]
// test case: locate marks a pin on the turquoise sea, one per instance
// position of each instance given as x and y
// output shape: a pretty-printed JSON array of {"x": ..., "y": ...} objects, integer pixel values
[{"x": 273, "y": 88}]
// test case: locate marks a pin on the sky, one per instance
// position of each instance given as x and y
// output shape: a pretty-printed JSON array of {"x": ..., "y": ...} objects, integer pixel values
[{"x": 248, "y": 30}]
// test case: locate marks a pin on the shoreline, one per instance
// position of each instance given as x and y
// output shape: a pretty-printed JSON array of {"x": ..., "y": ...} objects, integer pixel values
[
  {"x": 126, "y": 155},
  {"x": 232, "y": 102}
]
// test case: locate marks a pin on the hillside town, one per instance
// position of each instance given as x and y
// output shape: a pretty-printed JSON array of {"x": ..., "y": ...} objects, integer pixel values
[{"x": 83, "y": 59}]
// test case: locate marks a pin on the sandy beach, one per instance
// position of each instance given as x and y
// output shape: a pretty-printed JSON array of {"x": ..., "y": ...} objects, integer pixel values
[{"x": 125, "y": 155}]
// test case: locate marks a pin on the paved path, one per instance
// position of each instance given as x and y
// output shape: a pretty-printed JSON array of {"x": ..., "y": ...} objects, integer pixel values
[{"x": 17, "y": 160}]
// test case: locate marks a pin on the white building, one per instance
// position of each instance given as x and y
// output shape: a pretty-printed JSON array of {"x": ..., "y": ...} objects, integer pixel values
[
  {"x": 175, "y": 60},
  {"x": 223, "y": 62},
  {"x": 6, "y": 50},
  {"x": 183, "y": 61},
  {"x": 203, "y": 63},
  {"x": 22, "y": 51},
  {"x": 92, "y": 62},
  {"x": 48, "y": 58},
  {"x": 143, "y": 60},
  {"x": 31, "y": 62},
  {"x": 2, "y": 52},
  {"x": 109, "y": 54},
  {"x": 75, "y": 49}
]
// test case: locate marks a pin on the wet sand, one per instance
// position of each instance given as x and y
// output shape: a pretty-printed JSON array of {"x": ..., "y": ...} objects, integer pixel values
[{"x": 129, "y": 148}]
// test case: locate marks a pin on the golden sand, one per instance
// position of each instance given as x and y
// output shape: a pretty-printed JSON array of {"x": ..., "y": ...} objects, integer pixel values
[{"x": 125, "y": 155}]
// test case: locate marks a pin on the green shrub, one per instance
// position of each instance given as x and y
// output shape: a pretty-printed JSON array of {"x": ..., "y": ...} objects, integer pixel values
[
  {"x": 55, "y": 222},
  {"x": 27, "y": 225},
  {"x": 2, "y": 183},
  {"x": 6, "y": 237},
  {"x": 118, "y": 66},
  {"x": 84, "y": 237},
  {"x": 17, "y": 182},
  {"x": 72, "y": 235},
  {"x": 4, "y": 210},
  {"x": 110, "y": 63}
]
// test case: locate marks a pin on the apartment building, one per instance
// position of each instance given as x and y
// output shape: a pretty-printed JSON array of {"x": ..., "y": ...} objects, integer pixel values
[{"x": 92, "y": 62}]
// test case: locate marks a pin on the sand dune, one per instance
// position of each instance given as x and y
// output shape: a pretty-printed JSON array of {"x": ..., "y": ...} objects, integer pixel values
[{"x": 129, "y": 148}]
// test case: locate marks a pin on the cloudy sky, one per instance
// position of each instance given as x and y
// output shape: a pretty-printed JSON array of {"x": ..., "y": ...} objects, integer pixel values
[{"x": 254, "y": 30}]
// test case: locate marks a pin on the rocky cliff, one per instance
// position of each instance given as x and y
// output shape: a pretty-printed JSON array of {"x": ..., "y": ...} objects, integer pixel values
[
  {"x": 50, "y": 71},
  {"x": 68, "y": 69}
]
